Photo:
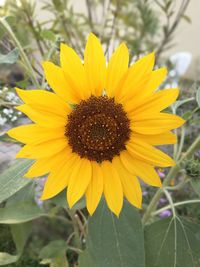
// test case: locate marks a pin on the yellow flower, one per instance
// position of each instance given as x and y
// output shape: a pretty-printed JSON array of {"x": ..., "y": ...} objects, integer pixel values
[{"x": 96, "y": 133}]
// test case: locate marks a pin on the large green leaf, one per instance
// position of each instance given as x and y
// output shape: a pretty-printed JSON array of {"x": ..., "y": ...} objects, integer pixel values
[
  {"x": 11, "y": 180},
  {"x": 172, "y": 242},
  {"x": 115, "y": 242},
  {"x": 85, "y": 260},
  {"x": 20, "y": 234}
]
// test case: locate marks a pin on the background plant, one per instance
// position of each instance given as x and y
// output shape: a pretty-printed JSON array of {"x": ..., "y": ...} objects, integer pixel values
[{"x": 35, "y": 233}]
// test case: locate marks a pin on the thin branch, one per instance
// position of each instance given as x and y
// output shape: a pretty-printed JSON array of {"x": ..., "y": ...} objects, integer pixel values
[
  {"x": 171, "y": 30},
  {"x": 89, "y": 11}
]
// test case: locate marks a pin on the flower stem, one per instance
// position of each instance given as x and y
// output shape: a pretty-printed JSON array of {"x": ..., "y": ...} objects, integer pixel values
[
  {"x": 181, "y": 143},
  {"x": 193, "y": 201},
  {"x": 172, "y": 173},
  {"x": 24, "y": 58}
]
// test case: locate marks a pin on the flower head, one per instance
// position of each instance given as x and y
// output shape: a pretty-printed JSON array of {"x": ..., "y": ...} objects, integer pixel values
[{"x": 95, "y": 134}]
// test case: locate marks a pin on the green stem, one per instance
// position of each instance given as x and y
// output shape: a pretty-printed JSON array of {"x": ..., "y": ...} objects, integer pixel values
[
  {"x": 181, "y": 143},
  {"x": 193, "y": 201},
  {"x": 25, "y": 59},
  {"x": 77, "y": 250},
  {"x": 178, "y": 186},
  {"x": 8, "y": 104},
  {"x": 72, "y": 215},
  {"x": 171, "y": 203},
  {"x": 172, "y": 173}
]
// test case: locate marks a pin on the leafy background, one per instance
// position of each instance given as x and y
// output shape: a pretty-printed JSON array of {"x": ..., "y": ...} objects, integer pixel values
[{"x": 166, "y": 232}]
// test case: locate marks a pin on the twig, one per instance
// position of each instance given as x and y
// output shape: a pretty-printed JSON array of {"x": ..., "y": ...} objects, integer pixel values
[
  {"x": 89, "y": 11},
  {"x": 25, "y": 59},
  {"x": 171, "y": 30}
]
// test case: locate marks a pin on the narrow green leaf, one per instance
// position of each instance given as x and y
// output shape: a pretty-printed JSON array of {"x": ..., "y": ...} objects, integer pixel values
[
  {"x": 48, "y": 35},
  {"x": 20, "y": 213},
  {"x": 115, "y": 242},
  {"x": 11, "y": 180},
  {"x": 186, "y": 18},
  {"x": 172, "y": 242},
  {"x": 10, "y": 58},
  {"x": 198, "y": 96},
  {"x": 20, "y": 234},
  {"x": 196, "y": 185}
]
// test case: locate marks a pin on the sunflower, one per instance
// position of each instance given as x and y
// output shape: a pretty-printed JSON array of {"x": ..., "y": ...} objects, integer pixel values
[{"x": 95, "y": 133}]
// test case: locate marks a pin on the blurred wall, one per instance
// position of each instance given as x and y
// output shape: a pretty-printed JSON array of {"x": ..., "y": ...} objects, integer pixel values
[{"x": 187, "y": 36}]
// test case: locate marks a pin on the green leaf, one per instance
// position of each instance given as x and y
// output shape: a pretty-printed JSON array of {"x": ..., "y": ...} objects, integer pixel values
[
  {"x": 61, "y": 200},
  {"x": 20, "y": 234},
  {"x": 85, "y": 259},
  {"x": 24, "y": 195},
  {"x": 115, "y": 242},
  {"x": 187, "y": 115},
  {"x": 49, "y": 35},
  {"x": 186, "y": 18},
  {"x": 172, "y": 242},
  {"x": 198, "y": 96},
  {"x": 11, "y": 180},
  {"x": 10, "y": 58},
  {"x": 196, "y": 185},
  {"x": 54, "y": 254},
  {"x": 10, "y": 20},
  {"x": 20, "y": 213}
]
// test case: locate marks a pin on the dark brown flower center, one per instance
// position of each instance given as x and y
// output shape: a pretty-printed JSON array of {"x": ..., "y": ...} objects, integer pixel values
[{"x": 98, "y": 129}]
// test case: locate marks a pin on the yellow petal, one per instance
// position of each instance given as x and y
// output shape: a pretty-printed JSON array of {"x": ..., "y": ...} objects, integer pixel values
[
  {"x": 95, "y": 188},
  {"x": 43, "y": 117},
  {"x": 131, "y": 186},
  {"x": 155, "y": 123},
  {"x": 156, "y": 102},
  {"x": 151, "y": 155},
  {"x": 39, "y": 168},
  {"x": 59, "y": 178},
  {"x": 145, "y": 171},
  {"x": 79, "y": 181},
  {"x": 156, "y": 139},
  {"x": 117, "y": 67},
  {"x": 33, "y": 133},
  {"x": 74, "y": 71},
  {"x": 44, "y": 100},
  {"x": 48, "y": 164},
  {"x": 42, "y": 150},
  {"x": 152, "y": 82},
  {"x": 56, "y": 80},
  {"x": 136, "y": 78},
  {"x": 95, "y": 65},
  {"x": 157, "y": 78},
  {"x": 112, "y": 187}
]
